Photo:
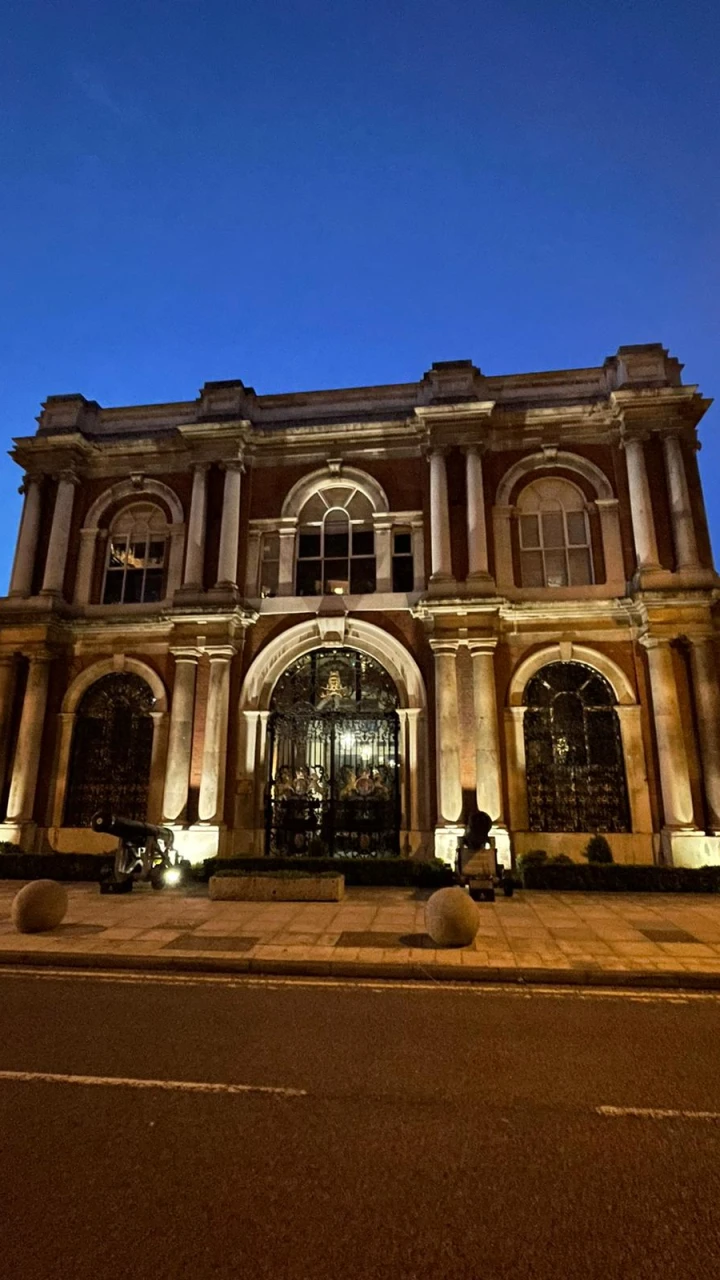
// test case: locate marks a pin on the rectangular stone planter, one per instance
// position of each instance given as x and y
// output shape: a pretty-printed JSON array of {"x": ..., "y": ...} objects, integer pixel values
[{"x": 268, "y": 888}]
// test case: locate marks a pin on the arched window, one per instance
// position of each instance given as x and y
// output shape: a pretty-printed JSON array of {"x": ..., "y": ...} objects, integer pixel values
[
  {"x": 136, "y": 556},
  {"x": 554, "y": 535},
  {"x": 336, "y": 544},
  {"x": 573, "y": 752},
  {"x": 111, "y": 750}
]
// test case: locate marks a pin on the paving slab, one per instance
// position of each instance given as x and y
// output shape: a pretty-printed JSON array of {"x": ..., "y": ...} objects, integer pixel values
[{"x": 583, "y": 938}]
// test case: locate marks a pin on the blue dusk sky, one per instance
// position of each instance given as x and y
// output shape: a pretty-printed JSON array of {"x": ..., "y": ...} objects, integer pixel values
[{"x": 306, "y": 195}]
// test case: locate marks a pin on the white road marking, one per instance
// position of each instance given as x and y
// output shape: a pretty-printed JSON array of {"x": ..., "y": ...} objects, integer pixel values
[
  {"x": 657, "y": 1113},
  {"x": 521, "y": 991},
  {"x": 170, "y": 1086}
]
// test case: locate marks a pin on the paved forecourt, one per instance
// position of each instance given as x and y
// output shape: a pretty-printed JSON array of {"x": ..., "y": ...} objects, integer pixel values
[{"x": 659, "y": 939}]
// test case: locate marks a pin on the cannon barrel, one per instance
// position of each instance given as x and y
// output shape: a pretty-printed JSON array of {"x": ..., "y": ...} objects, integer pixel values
[{"x": 129, "y": 829}]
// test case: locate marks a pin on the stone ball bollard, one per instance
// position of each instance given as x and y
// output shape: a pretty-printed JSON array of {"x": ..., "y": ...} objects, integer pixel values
[
  {"x": 39, "y": 906},
  {"x": 451, "y": 917}
]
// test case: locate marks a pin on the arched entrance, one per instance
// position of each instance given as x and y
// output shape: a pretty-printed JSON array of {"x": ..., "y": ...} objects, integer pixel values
[
  {"x": 111, "y": 750},
  {"x": 333, "y": 757},
  {"x": 573, "y": 751}
]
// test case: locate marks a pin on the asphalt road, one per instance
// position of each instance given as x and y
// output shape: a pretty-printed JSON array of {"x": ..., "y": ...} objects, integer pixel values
[{"x": 425, "y": 1132}]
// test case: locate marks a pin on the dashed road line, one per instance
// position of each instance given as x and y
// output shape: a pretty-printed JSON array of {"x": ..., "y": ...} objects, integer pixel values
[
  {"x": 656, "y": 1113},
  {"x": 169, "y": 1086}
]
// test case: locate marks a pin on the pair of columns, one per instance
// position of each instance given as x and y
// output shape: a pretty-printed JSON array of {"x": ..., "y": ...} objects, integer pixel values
[
  {"x": 675, "y": 785},
  {"x": 441, "y": 554},
  {"x": 227, "y": 572},
  {"x": 21, "y": 579},
  {"x": 488, "y": 771},
  {"x": 181, "y": 730},
  {"x": 681, "y": 515}
]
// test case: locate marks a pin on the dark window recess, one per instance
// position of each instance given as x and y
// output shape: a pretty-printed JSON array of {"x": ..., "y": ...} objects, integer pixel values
[
  {"x": 403, "y": 573},
  {"x": 573, "y": 750},
  {"x": 111, "y": 750}
]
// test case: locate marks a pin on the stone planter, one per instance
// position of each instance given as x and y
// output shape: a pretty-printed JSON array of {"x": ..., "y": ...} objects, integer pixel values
[{"x": 269, "y": 888}]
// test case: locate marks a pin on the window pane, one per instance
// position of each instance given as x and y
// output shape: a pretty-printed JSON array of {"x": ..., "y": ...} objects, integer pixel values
[
  {"x": 156, "y": 554},
  {"x": 153, "y": 584},
  {"x": 577, "y": 531},
  {"x": 402, "y": 544},
  {"x": 309, "y": 545},
  {"x": 314, "y": 510},
  {"x": 531, "y": 569},
  {"x": 113, "y": 588},
  {"x": 136, "y": 553},
  {"x": 362, "y": 576},
  {"x": 309, "y": 578},
  {"x": 580, "y": 571},
  {"x": 133, "y": 586},
  {"x": 529, "y": 531},
  {"x": 336, "y": 542},
  {"x": 363, "y": 542},
  {"x": 555, "y": 569},
  {"x": 336, "y": 577},
  {"x": 402, "y": 573},
  {"x": 118, "y": 553},
  {"x": 552, "y": 527}
]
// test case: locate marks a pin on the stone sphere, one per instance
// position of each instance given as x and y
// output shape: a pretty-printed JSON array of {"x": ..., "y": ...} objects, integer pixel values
[
  {"x": 39, "y": 906},
  {"x": 451, "y": 917}
]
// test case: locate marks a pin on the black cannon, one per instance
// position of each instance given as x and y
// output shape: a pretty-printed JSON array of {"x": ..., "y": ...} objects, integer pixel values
[{"x": 145, "y": 852}]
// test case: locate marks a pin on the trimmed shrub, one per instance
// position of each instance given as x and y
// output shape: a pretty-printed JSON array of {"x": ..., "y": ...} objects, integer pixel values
[
  {"x": 616, "y": 877},
  {"x": 598, "y": 850},
  {"x": 533, "y": 858},
  {"x": 16, "y": 865},
  {"x": 399, "y": 872}
]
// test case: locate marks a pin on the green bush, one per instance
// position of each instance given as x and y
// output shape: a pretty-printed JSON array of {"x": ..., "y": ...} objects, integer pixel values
[
  {"x": 533, "y": 858},
  {"x": 615, "y": 877},
  {"x": 15, "y": 865},
  {"x": 399, "y": 872},
  {"x": 598, "y": 850}
]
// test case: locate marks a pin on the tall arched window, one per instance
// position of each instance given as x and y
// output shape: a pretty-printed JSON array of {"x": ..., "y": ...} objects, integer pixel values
[
  {"x": 573, "y": 752},
  {"x": 336, "y": 544},
  {"x": 136, "y": 556},
  {"x": 554, "y": 535},
  {"x": 111, "y": 750}
]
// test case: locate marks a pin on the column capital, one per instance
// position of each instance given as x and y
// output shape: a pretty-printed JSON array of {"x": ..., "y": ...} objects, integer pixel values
[
  {"x": 655, "y": 642},
  {"x": 635, "y": 436},
  {"x": 232, "y": 464},
  {"x": 483, "y": 646},
  {"x": 604, "y": 504},
  {"x": 478, "y": 447},
  {"x": 201, "y": 467},
  {"x": 186, "y": 654},
  {"x": 27, "y": 482},
  {"x": 444, "y": 647},
  {"x": 67, "y": 476},
  {"x": 220, "y": 652}
]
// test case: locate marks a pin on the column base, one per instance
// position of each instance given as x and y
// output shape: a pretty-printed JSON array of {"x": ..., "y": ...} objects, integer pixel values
[
  {"x": 224, "y": 591},
  {"x": 442, "y": 584},
  {"x": 199, "y": 841},
  {"x": 503, "y": 847},
  {"x": 20, "y": 833},
  {"x": 690, "y": 848},
  {"x": 190, "y": 593},
  {"x": 446, "y": 843},
  {"x": 480, "y": 584}
]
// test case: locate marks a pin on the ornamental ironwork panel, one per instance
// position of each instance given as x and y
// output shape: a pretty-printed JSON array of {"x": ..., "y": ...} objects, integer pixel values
[
  {"x": 111, "y": 750},
  {"x": 333, "y": 752},
  {"x": 573, "y": 752}
]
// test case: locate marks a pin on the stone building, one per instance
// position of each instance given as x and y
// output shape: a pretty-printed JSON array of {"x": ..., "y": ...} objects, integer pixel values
[{"x": 339, "y": 619}]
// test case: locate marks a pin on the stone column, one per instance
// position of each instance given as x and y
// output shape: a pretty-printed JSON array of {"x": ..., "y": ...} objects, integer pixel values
[
  {"x": 608, "y": 511},
  {"x": 447, "y": 732},
  {"x": 440, "y": 553},
  {"x": 517, "y": 769},
  {"x": 488, "y": 771},
  {"x": 23, "y": 783},
  {"x": 641, "y": 511},
  {"x": 59, "y": 535},
  {"x": 414, "y": 771},
  {"x": 502, "y": 533},
  {"x": 230, "y": 527},
  {"x": 286, "y": 563},
  {"x": 85, "y": 564},
  {"x": 26, "y": 550},
  {"x": 195, "y": 553},
  {"x": 630, "y": 718},
  {"x": 478, "y": 571},
  {"x": 707, "y": 702},
  {"x": 212, "y": 785},
  {"x": 382, "y": 528},
  {"x": 7, "y": 692},
  {"x": 674, "y": 772},
  {"x": 683, "y": 524},
  {"x": 177, "y": 772}
]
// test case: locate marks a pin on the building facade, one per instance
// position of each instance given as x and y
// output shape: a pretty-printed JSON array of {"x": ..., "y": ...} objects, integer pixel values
[{"x": 339, "y": 619}]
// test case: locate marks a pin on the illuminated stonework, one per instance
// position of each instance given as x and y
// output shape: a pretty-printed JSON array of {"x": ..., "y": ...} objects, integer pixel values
[{"x": 520, "y": 562}]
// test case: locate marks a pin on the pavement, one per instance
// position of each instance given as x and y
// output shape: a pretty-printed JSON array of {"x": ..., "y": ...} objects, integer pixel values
[
  {"x": 175, "y": 1126},
  {"x": 662, "y": 940}
]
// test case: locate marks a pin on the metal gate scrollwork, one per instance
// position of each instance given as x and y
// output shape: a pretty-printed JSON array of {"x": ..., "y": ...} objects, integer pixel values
[
  {"x": 573, "y": 752},
  {"x": 111, "y": 750},
  {"x": 333, "y": 752}
]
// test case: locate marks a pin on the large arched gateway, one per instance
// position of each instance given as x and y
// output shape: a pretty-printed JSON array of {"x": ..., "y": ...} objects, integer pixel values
[
  {"x": 333, "y": 757},
  {"x": 111, "y": 750}
]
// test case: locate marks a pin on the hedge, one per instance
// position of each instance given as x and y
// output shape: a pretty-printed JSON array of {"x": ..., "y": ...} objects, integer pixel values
[
  {"x": 401, "y": 872},
  {"x": 15, "y": 865},
  {"x": 620, "y": 878}
]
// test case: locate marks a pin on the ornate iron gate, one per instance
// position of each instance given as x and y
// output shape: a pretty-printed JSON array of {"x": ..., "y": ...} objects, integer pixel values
[
  {"x": 333, "y": 752},
  {"x": 573, "y": 750},
  {"x": 111, "y": 750}
]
